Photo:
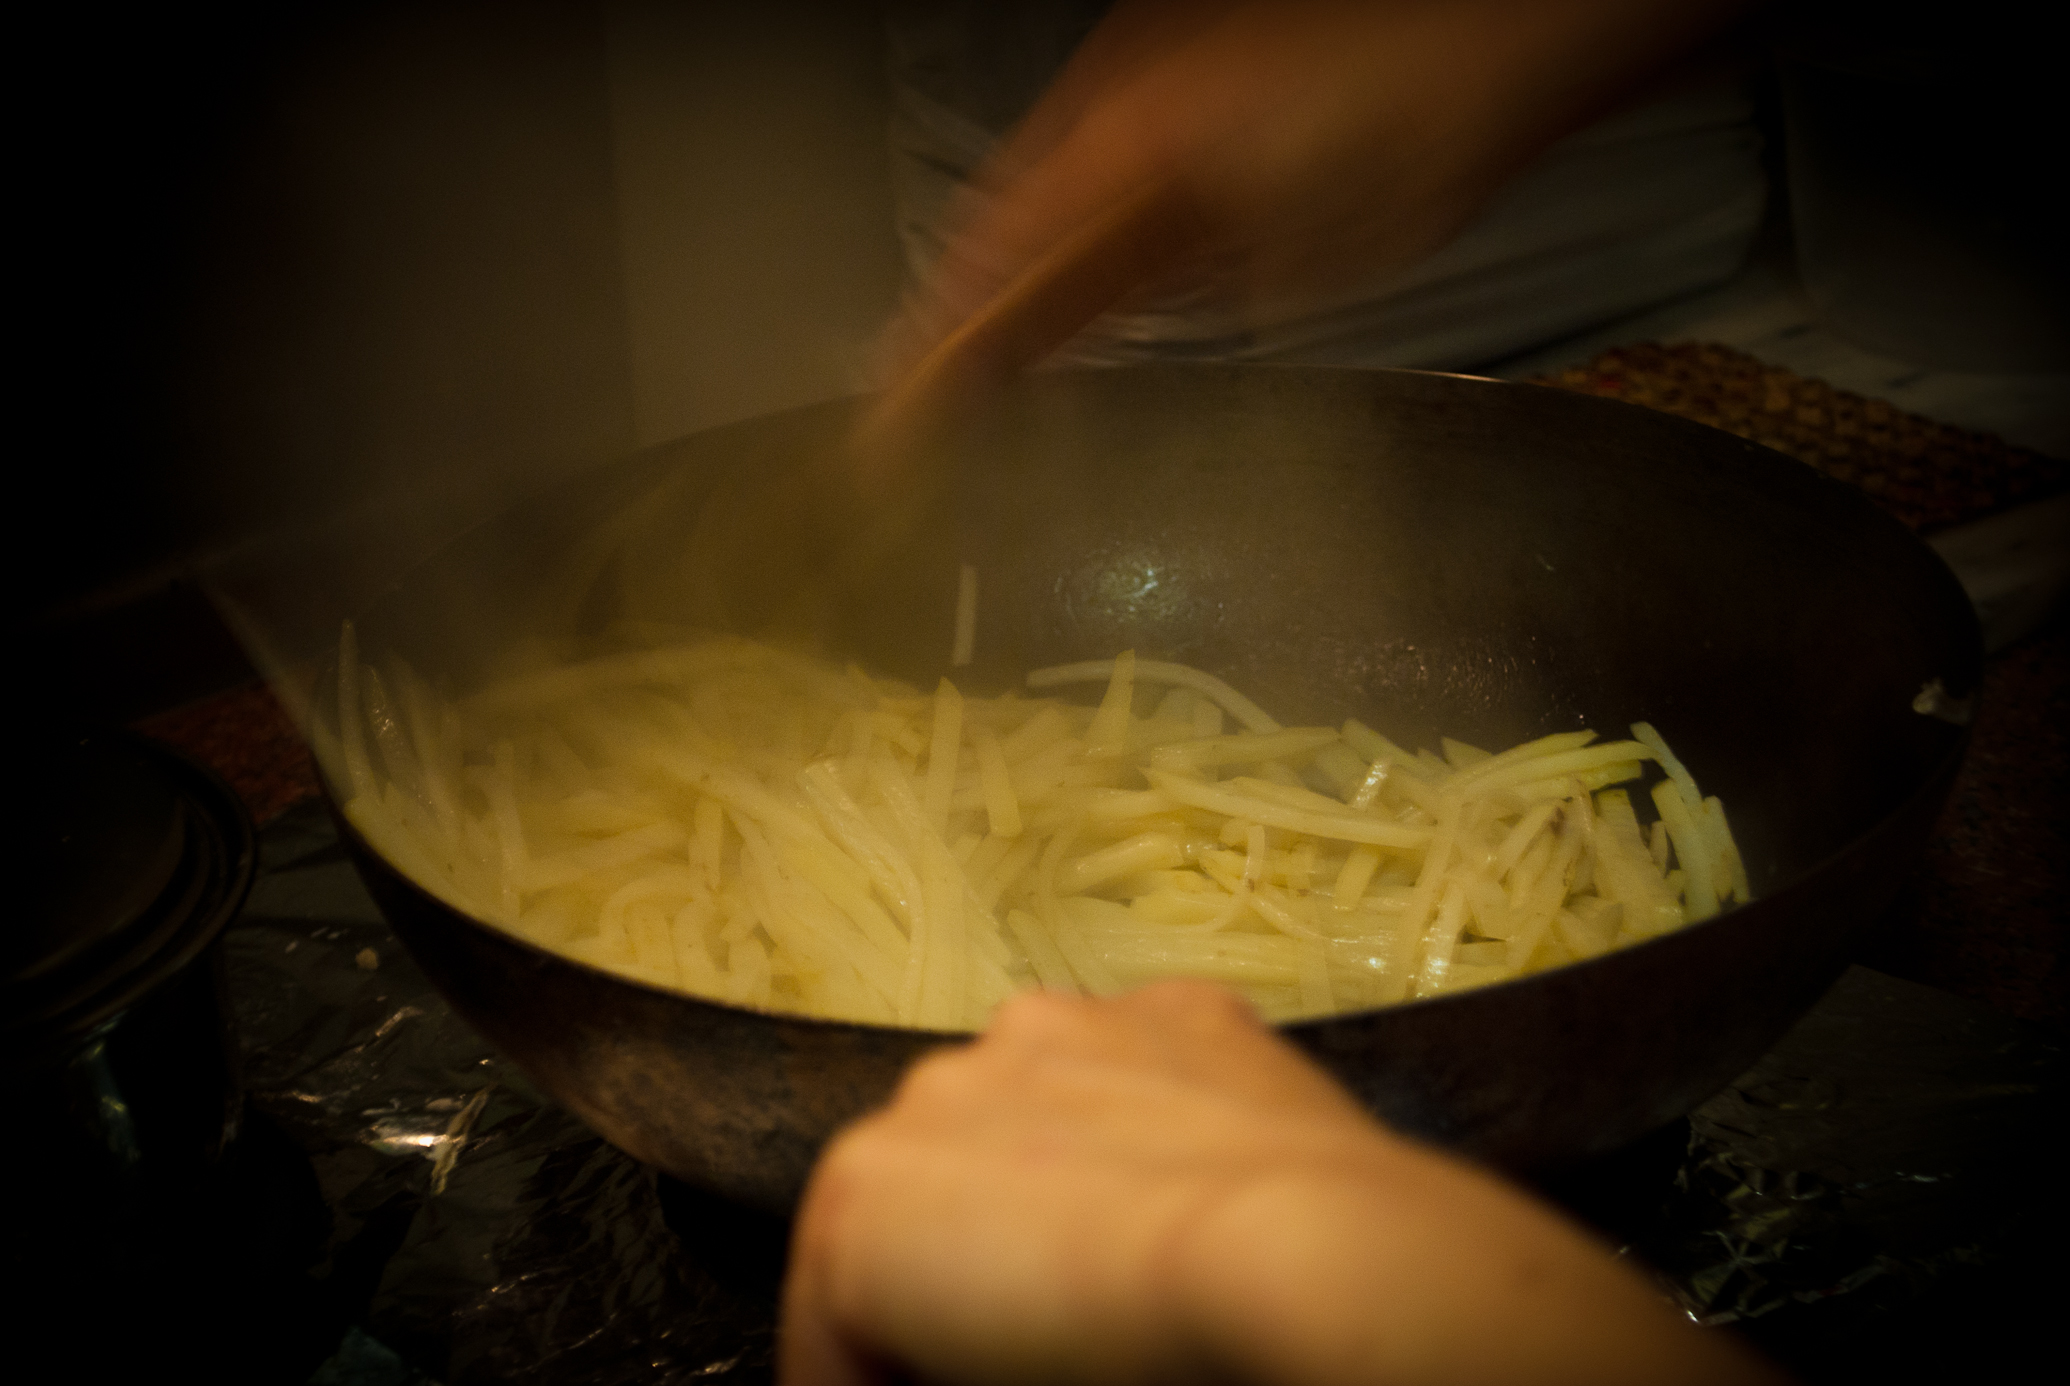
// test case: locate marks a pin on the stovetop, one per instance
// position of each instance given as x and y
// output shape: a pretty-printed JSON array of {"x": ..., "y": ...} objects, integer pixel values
[{"x": 403, "y": 1207}]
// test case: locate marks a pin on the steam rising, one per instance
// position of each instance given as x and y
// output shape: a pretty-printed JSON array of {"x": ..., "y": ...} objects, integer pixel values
[{"x": 467, "y": 253}]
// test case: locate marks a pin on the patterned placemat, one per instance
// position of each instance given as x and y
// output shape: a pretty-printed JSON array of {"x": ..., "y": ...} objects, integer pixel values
[
  {"x": 248, "y": 738},
  {"x": 1930, "y": 475}
]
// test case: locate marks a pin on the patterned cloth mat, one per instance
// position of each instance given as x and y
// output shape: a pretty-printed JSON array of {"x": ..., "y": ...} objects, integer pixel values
[
  {"x": 1930, "y": 475},
  {"x": 248, "y": 738}
]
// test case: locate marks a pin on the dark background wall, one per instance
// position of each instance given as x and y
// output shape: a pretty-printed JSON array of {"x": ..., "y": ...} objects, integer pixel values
[
  {"x": 287, "y": 261},
  {"x": 310, "y": 288}
]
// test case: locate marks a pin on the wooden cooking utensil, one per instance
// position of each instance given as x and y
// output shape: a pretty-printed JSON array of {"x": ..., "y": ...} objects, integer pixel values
[
  {"x": 818, "y": 524},
  {"x": 1038, "y": 311}
]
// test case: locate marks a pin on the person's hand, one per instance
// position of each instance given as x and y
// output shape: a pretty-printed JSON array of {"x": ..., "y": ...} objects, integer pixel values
[
  {"x": 1270, "y": 148},
  {"x": 1158, "y": 1188}
]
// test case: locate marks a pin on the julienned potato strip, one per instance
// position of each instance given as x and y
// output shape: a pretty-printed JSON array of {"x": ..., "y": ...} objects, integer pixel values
[{"x": 746, "y": 823}]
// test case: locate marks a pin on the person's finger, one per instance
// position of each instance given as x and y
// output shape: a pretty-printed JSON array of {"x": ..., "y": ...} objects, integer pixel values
[
  {"x": 1198, "y": 1032},
  {"x": 1208, "y": 1025},
  {"x": 964, "y": 1257},
  {"x": 881, "y": 1220},
  {"x": 1040, "y": 307},
  {"x": 810, "y": 1351},
  {"x": 1070, "y": 200},
  {"x": 997, "y": 224},
  {"x": 811, "y": 1347}
]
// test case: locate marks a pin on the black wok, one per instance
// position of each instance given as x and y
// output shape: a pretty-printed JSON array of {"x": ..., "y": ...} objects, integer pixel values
[{"x": 1430, "y": 553}]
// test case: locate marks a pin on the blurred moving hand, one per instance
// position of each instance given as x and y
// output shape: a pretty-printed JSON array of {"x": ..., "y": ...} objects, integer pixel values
[
  {"x": 1158, "y": 1188},
  {"x": 1266, "y": 149}
]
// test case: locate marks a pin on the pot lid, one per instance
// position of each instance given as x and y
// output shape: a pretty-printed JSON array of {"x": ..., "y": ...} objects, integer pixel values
[
  {"x": 137, "y": 859},
  {"x": 105, "y": 847}
]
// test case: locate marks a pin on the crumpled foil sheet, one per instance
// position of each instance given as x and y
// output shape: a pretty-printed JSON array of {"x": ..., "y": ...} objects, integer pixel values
[
  {"x": 1880, "y": 1192},
  {"x": 1876, "y": 1171},
  {"x": 509, "y": 1243}
]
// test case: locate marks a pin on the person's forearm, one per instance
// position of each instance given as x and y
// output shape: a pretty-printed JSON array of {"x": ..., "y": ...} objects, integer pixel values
[
  {"x": 1284, "y": 145},
  {"x": 1537, "y": 69},
  {"x": 1407, "y": 1268}
]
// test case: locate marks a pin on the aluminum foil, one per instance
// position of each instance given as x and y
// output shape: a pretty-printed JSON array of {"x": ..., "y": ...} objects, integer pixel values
[
  {"x": 509, "y": 1244},
  {"x": 1879, "y": 1190},
  {"x": 1877, "y": 1169}
]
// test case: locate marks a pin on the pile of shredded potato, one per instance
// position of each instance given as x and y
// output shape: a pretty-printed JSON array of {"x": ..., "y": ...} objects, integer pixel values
[{"x": 751, "y": 825}]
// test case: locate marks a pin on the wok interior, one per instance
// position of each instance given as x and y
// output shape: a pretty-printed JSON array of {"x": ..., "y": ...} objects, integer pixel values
[{"x": 1432, "y": 554}]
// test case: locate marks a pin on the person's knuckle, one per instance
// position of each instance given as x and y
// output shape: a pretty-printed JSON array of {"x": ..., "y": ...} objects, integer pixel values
[
  {"x": 946, "y": 1076},
  {"x": 1037, "y": 1016},
  {"x": 839, "y": 1180},
  {"x": 1200, "y": 1004},
  {"x": 1229, "y": 1011},
  {"x": 846, "y": 1160}
]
